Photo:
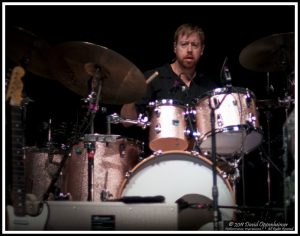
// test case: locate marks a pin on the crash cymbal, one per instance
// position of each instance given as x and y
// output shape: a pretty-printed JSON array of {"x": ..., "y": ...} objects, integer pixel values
[
  {"x": 24, "y": 46},
  {"x": 74, "y": 64},
  {"x": 270, "y": 54}
]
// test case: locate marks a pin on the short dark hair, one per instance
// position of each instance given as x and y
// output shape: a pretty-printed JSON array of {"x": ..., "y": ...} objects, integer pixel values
[{"x": 187, "y": 29}]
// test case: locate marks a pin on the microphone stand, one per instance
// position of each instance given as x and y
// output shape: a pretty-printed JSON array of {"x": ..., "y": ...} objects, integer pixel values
[
  {"x": 216, "y": 215},
  {"x": 268, "y": 119}
]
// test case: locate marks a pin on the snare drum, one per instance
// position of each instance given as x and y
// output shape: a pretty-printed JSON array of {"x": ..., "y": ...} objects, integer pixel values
[
  {"x": 168, "y": 126},
  {"x": 236, "y": 121},
  {"x": 180, "y": 176},
  {"x": 111, "y": 162}
]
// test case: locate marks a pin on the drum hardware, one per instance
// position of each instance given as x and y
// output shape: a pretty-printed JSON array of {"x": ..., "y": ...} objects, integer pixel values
[
  {"x": 97, "y": 76},
  {"x": 142, "y": 152},
  {"x": 216, "y": 215},
  {"x": 105, "y": 194},
  {"x": 50, "y": 143},
  {"x": 112, "y": 138},
  {"x": 287, "y": 102},
  {"x": 157, "y": 153},
  {"x": 51, "y": 188},
  {"x": 234, "y": 175},
  {"x": 190, "y": 117},
  {"x": 268, "y": 118},
  {"x": 142, "y": 120}
]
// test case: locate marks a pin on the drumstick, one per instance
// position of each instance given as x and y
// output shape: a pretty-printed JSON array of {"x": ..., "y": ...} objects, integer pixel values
[{"x": 152, "y": 77}]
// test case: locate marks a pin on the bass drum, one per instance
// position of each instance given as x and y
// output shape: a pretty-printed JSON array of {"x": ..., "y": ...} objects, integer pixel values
[{"x": 185, "y": 178}]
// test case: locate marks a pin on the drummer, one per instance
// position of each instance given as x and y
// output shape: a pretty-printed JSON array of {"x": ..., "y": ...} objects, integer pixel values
[{"x": 178, "y": 80}]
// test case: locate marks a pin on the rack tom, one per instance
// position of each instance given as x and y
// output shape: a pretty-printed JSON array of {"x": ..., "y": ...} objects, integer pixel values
[
  {"x": 168, "y": 126},
  {"x": 236, "y": 121}
]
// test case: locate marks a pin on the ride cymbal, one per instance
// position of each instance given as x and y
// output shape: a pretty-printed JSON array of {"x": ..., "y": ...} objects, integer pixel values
[
  {"x": 28, "y": 50},
  {"x": 74, "y": 64},
  {"x": 270, "y": 54}
]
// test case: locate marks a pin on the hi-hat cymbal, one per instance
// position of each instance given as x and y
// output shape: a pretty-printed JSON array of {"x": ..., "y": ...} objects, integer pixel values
[
  {"x": 74, "y": 63},
  {"x": 22, "y": 46},
  {"x": 270, "y": 54}
]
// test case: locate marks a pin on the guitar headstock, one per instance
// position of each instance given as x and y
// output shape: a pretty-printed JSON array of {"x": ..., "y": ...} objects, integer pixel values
[{"x": 15, "y": 88}]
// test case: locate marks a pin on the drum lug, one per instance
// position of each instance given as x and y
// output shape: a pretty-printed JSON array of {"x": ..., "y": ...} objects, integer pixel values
[
  {"x": 195, "y": 153},
  {"x": 141, "y": 151},
  {"x": 157, "y": 128},
  {"x": 248, "y": 98},
  {"x": 190, "y": 114},
  {"x": 187, "y": 132},
  {"x": 128, "y": 174},
  {"x": 157, "y": 111},
  {"x": 224, "y": 175},
  {"x": 251, "y": 119},
  {"x": 196, "y": 135},
  {"x": 157, "y": 153},
  {"x": 220, "y": 120},
  {"x": 122, "y": 150}
]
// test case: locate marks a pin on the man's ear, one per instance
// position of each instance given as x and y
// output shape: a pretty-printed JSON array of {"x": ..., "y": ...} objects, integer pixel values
[{"x": 202, "y": 50}]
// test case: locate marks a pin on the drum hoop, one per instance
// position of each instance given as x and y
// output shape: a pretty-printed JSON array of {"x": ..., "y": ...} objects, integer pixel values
[
  {"x": 190, "y": 154},
  {"x": 166, "y": 102},
  {"x": 135, "y": 141},
  {"x": 219, "y": 91}
]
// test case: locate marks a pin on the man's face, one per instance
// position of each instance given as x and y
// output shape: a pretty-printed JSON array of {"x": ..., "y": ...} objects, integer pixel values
[{"x": 188, "y": 50}]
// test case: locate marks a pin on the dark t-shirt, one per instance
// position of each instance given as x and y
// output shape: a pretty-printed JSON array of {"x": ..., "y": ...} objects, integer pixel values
[{"x": 167, "y": 85}]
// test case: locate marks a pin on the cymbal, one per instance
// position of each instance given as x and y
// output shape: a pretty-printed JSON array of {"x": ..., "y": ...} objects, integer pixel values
[
  {"x": 270, "y": 54},
  {"x": 22, "y": 45},
  {"x": 267, "y": 104},
  {"x": 73, "y": 64}
]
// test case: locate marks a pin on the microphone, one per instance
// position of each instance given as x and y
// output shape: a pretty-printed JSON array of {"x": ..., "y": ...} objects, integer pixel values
[
  {"x": 228, "y": 78},
  {"x": 225, "y": 75}
]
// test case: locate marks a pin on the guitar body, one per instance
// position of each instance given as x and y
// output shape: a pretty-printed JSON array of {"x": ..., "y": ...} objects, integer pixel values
[{"x": 27, "y": 222}]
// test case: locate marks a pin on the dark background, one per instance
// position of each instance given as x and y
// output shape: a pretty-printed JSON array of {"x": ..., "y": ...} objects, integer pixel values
[{"x": 144, "y": 35}]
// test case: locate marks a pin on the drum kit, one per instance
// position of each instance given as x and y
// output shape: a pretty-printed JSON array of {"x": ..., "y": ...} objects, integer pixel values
[{"x": 107, "y": 167}]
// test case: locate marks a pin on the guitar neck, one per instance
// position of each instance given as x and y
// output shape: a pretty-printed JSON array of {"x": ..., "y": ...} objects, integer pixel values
[{"x": 18, "y": 183}]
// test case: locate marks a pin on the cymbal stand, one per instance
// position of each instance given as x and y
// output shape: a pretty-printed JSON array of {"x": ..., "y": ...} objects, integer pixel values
[
  {"x": 268, "y": 156},
  {"x": 50, "y": 142},
  {"x": 96, "y": 83}
]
